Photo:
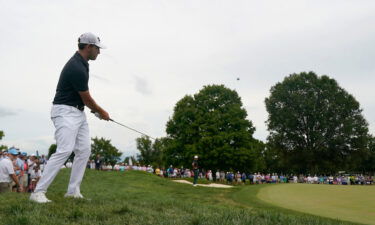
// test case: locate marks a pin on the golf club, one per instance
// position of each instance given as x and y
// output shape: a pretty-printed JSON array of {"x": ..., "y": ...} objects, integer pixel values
[{"x": 98, "y": 115}]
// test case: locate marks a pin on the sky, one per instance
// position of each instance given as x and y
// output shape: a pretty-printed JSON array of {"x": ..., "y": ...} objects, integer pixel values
[{"x": 159, "y": 51}]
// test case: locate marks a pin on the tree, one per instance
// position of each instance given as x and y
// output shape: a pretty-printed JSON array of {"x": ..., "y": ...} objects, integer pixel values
[
  {"x": 151, "y": 153},
  {"x": 51, "y": 150},
  {"x": 144, "y": 145},
  {"x": 315, "y": 125},
  {"x": 368, "y": 166},
  {"x": 213, "y": 125},
  {"x": 2, "y": 147},
  {"x": 106, "y": 150}
]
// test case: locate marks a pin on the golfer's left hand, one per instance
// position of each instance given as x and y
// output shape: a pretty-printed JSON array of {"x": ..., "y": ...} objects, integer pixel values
[{"x": 104, "y": 115}]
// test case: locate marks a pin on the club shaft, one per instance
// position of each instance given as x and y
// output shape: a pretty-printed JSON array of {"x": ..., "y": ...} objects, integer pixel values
[{"x": 131, "y": 129}]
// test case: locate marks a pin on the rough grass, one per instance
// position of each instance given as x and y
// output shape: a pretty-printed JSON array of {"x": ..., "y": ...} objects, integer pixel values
[{"x": 139, "y": 198}]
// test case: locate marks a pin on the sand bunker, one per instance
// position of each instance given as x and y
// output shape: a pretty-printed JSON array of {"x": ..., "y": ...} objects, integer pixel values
[{"x": 205, "y": 185}]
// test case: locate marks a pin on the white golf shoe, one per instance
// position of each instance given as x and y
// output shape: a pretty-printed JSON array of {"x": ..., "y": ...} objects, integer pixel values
[
  {"x": 39, "y": 197},
  {"x": 76, "y": 195}
]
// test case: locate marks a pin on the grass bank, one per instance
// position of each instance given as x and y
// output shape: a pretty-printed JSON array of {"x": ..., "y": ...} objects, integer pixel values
[{"x": 139, "y": 198}]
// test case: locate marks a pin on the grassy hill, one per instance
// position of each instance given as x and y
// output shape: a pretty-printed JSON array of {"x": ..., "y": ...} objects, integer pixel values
[{"x": 139, "y": 198}]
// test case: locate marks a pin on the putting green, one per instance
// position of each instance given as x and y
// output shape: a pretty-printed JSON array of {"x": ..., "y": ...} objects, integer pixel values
[{"x": 351, "y": 203}]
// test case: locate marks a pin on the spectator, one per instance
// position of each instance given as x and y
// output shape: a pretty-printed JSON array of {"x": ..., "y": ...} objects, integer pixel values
[
  {"x": 195, "y": 169},
  {"x": 150, "y": 169},
  {"x": 35, "y": 175},
  {"x": 98, "y": 162},
  {"x": 217, "y": 176},
  {"x": 116, "y": 167},
  {"x": 122, "y": 167},
  {"x": 24, "y": 184},
  {"x": 7, "y": 173},
  {"x": 42, "y": 162},
  {"x": 209, "y": 175},
  {"x": 243, "y": 178}
]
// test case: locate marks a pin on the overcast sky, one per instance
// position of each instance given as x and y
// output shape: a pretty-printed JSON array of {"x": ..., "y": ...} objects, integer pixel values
[{"x": 159, "y": 51}]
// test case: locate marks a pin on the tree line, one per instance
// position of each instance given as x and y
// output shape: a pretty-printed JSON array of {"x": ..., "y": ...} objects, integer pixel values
[{"x": 315, "y": 126}]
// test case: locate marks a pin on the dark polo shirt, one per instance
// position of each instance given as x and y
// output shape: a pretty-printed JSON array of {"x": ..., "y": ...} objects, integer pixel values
[{"x": 73, "y": 78}]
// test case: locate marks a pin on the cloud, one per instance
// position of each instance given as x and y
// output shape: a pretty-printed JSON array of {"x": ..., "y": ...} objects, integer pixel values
[
  {"x": 101, "y": 78},
  {"x": 142, "y": 86},
  {"x": 33, "y": 144},
  {"x": 6, "y": 112}
]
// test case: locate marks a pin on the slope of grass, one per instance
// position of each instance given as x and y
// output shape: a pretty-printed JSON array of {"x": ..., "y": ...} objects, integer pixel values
[
  {"x": 139, "y": 198},
  {"x": 352, "y": 203}
]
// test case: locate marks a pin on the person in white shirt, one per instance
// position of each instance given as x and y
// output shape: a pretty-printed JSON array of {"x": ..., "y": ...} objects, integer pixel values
[
  {"x": 150, "y": 169},
  {"x": 35, "y": 175},
  {"x": 7, "y": 173},
  {"x": 217, "y": 176},
  {"x": 109, "y": 167},
  {"x": 116, "y": 167},
  {"x": 209, "y": 175},
  {"x": 315, "y": 180},
  {"x": 92, "y": 164}
]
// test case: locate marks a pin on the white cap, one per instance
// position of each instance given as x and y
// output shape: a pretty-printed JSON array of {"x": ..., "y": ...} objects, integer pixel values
[
  {"x": 90, "y": 38},
  {"x": 196, "y": 157}
]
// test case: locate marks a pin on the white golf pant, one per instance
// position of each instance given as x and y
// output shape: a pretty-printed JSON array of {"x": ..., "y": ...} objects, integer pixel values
[{"x": 72, "y": 134}]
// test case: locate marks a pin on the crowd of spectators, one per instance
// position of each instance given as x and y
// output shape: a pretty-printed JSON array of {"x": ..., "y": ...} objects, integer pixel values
[
  {"x": 238, "y": 177},
  {"x": 261, "y": 178},
  {"x": 19, "y": 171}
]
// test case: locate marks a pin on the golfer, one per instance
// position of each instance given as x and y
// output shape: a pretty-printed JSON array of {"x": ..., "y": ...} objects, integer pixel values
[{"x": 69, "y": 119}]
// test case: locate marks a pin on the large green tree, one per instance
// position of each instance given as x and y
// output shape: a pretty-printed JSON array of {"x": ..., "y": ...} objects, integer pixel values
[
  {"x": 106, "y": 150},
  {"x": 213, "y": 125},
  {"x": 315, "y": 125}
]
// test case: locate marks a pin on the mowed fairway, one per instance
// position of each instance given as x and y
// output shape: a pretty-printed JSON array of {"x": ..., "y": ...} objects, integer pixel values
[{"x": 351, "y": 203}]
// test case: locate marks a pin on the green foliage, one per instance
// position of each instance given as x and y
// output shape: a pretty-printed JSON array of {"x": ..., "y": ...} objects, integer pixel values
[
  {"x": 144, "y": 145},
  {"x": 151, "y": 153},
  {"x": 51, "y": 150},
  {"x": 106, "y": 150},
  {"x": 2, "y": 147},
  {"x": 369, "y": 163},
  {"x": 315, "y": 125},
  {"x": 213, "y": 125}
]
